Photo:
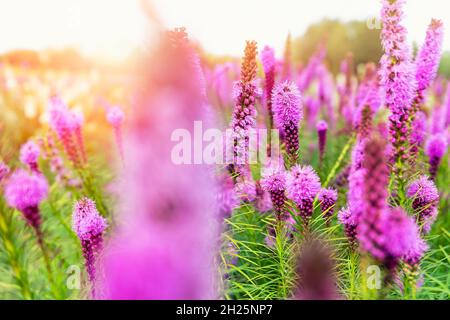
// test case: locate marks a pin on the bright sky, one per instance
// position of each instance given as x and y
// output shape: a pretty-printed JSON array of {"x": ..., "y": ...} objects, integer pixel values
[{"x": 114, "y": 27}]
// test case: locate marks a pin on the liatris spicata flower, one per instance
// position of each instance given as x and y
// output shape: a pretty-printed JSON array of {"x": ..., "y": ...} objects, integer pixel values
[
  {"x": 425, "y": 197},
  {"x": 274, "y": 181},
  {"x": 246, "y": 190},
  {"x": 268, "y": 62},
  {"x": 263, "y": 202},
  {"x": 288, "y": 112},
  {"x": 347, "y": 219},
  {"x": 4, "y": 170},
  {"x": 397, "y": 79},
  {"x": 303, "y": 185},
  {"x": 62, "y": 122},
  {"x": 115, "y": 117},
  {"x": 29, "y": 155},
  {"x": 326, "y": 90},
  {"x": 24, "y": 191},
  {"x": 316, "y": 272},
  {"x": 77, "y": 125},
  {"x": 327, "y": 198},
  {"x": 244, "y": 113},
  {"x": 322, "y": 128},
  {"x": 89, "y": 227},
  {"x": 309, "y": 72},
  {"x": 435, "y": 149},
  {"x": 427, "y": 60},
  {"x": 165, "y": 246},
  {"x": 286, "y": 73}
]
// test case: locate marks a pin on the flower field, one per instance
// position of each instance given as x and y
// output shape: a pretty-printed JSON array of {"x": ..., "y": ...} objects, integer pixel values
[{"x": 187, "y": 176}]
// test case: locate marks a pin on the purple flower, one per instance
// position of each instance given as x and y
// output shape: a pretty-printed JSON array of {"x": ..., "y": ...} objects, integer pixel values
[
  {"x": 246, "y": 190},
  {"x": 322, "y": 128},
  {"x": 310, "y": 71},
  {"x": 89, "y": 226},
  {"x": 29, "y": 155},
  {"x": 115, "y": 117},
  {"x": 350, "y": 223},
  {"x": 244, "y": 114},
  {"x": 166, "y": 237},
  {"x": 24, "y": 191},
  {"x": 397, "y": 76},
  {"x": 4, "y": 170},
  {"x": 268, "y": 62},
  {"x": 327, "y": 198},
  {"x": 435, "y": 149},
  {"x": 303, "y": 185},
  {"x": 326, "y": 90},
  {"x": 425, "y": 197},
  {"x": 288, "y": 112},
  {"x": 419, "y": 128},
  {"x": 274, "y": 181},
  {"x": 64, "y": 124},
  {"x": 427, "y": 60}
]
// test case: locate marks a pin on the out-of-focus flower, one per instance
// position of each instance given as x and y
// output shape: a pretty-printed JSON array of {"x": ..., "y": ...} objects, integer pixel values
[
  {"x": 316, "y": 272},
  {"x": 115, "y": 117},
  {"x": 288, "y": 112},
  {"x": 89, "y": 226},
  {"x": 397, "y": 78},
  {"x": 29, "y": 155},
  {"x": 435, "y": 149},
  {"x": 24, "y": 191},
  {"x": 165, "y": 245},
  {"x": 322, "y": 128},
  {"x": 327, "y": 198},
  {"x": 226, "y": 198},
  {"x": 246, "y": 190},
  {"x": 425, "y": 197},
  {"x": 303, "y": 184},
  {"x": 4, "y": 170},
  {"x": 268, "y": 62}
]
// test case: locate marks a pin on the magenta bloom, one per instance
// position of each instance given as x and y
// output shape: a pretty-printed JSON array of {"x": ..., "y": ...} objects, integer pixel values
[
  {"x": 427, "y": 60},
  {"x": 268, "y": 61},
  {"x": 397, "y": 75},
  {"x": 327, "y": 198},
  {"x": 165, "y": 245},
  {"x": 246, "y": 190},
  {"x": 322, "y": 128},
  {"x": 4, "y": 170},
  {"x": 226, "y": 198},
  {"x": 425, "y": 197},
  {"x": 89, "y": 226},
  {"x": 326, "y": 90},
  {"x": 419, "y": 128},
  {"x": 347, "y": 219},
  {"x": 274, "y": 181},
  {"x": 288, "y": 112},
  {"x": 115, "y": 117},
  {"x": 29, "y": 155},
  {"x": 303, "y": 185},
  {"x": 24, "y": 191},
  {"x": 435, "y": 149}
]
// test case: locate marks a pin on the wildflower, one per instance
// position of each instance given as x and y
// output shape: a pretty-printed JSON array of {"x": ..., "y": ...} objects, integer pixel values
[
  {"x": 425, "y": 197},
  {"x": 322, "y": 128},
  {"x": 347, "y": 219},
  {"x": 288, "y": 112},
  {"x": 29, "y": 155},
  {"x": 89, "y": 227},
  {"x": 165, "y": 246},
  {"x": 397, "y": 78},
  {"x": 326, "y": 92},
  {"x": 246, "y": 190},
  {"x": 428, "y": 57},
  {"x": 435, "y": 149},
  {"x": 62, "y": 122},
  {"x": 244, "y": 113},
  {"x": 316, "y": 272},
  {"x": 268, "y": 61},
  {"x": 327, "y": 198},
  {"x": 274, "y": 181},
  {"x": 226, "y": 198},
  {"x": 303, "y": 185},
  {"x": 115, "y": 117},
  {"x": 419, "y": 127}
]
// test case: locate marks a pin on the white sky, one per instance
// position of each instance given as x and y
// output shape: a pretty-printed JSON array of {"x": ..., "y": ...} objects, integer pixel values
[{"x": 113, "y": 27}]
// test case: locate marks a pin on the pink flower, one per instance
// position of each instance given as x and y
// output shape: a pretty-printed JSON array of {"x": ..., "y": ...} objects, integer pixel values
[
  {"x": 115, "y": 116},
  {"x": 29, "y": 155},
  {"x": 425, "y": 197},
  {"x": 435, "y": 149}
]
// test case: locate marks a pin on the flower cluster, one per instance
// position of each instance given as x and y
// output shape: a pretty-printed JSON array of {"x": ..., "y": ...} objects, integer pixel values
[{"x": 425, "y": 197}]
